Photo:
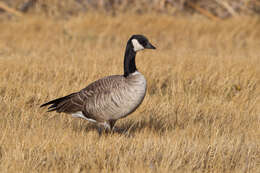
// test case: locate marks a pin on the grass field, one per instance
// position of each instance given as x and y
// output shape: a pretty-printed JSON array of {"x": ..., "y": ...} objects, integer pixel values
[{"x": 201, "y": 112}]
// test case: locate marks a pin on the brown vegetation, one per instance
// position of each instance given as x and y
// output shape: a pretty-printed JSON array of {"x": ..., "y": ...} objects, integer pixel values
[
  {"x": 201, "y": 112},
  {"x": 213, "y": 9}
]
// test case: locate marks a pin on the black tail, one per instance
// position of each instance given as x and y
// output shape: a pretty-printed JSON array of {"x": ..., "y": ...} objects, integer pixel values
[{"x": 55, "y": 104}]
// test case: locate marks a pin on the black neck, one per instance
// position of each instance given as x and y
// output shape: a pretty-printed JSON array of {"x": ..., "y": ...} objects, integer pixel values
[{"x": 129, "y": 61}]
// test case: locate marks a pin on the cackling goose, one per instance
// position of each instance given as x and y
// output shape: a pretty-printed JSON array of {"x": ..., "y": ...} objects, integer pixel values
[{"x": 111, "y": 98}]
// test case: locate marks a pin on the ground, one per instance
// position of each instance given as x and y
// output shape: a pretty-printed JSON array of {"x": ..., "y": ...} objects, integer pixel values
[{"x": 201, "y": 112}]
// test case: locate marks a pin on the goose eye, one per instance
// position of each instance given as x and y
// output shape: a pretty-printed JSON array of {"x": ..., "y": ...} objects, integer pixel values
[{"x": 143, "y": 43}]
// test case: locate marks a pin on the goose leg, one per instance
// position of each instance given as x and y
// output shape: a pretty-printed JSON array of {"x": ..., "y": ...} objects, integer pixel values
[
  {"x": 99, "y": 129},
  {"x": 112, "y": 123},
  {"x": 107, "y": 126},
  {"x": 103, "y": 126}
]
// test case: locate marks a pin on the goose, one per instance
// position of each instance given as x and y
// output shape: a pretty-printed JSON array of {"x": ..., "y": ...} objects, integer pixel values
[{"x": 108, "y": 99}]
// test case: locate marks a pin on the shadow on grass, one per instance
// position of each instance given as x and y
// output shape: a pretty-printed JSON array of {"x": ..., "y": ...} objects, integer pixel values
[{"x": 131, "y": 127}]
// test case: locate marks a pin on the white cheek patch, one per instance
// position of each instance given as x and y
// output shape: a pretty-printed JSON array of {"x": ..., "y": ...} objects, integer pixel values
[{"x": 137, "y": 45}]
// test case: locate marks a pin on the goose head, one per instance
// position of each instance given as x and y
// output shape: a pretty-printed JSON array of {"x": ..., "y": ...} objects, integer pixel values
[
  {"x": 134, "y": 44},
  {"x": 140, "y": 42}
]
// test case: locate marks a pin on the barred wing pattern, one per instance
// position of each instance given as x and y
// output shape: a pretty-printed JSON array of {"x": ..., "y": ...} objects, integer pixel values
[{"x": 109, "y": 98}]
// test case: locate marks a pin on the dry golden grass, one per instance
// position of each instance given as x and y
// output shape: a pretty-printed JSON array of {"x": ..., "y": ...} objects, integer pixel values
[{"x": 201, "y": 112}]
